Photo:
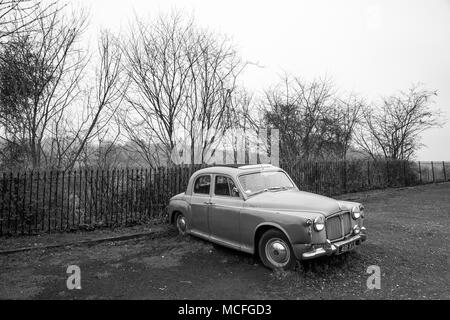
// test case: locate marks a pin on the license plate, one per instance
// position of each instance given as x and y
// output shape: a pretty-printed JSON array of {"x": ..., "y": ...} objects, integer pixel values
[{"x": 346, "y": 247}]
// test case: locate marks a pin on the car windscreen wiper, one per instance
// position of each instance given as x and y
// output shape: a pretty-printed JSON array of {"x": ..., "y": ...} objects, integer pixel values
[
  {"x": 258, "y": 192},
  {"x": 270, "y": 189},
  {"x": 279, "y": 188}
]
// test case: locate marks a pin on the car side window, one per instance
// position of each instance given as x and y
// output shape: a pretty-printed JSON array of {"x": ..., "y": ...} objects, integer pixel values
[
  {"x": 233, "y": 187},
  {"x": 202, "y": 185},
  {"x": 221, "y": 187},
  {"x": 224, "y": 186}
]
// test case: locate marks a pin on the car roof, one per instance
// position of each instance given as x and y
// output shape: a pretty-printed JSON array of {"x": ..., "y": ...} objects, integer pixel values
[{"x": 231, "y": 170}]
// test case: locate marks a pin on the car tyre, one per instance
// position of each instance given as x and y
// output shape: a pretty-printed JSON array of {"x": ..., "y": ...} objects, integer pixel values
[
  {"x": 181, "y": 224},
  {"x": 275, "y": 251}
]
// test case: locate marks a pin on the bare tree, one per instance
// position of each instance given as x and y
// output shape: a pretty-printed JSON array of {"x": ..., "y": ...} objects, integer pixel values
[
  {"x": 45, "y": 106},
  {"x": 298, "y": 109},
  {"x": 245, "y": 124},
  {"x": 342, "y": 121},
  {"x": 182, "y": 82},
  {"x": 19, "y": 16},
  {"x": 41, "y": 71},
  {"x": 159, "y": 69},
  {"x": 215, "y": 67},
  {"x": 392, "y": 130},
  {"x": 142, "y": 142},
  {"x": 110, "y": 87},
  {"x": 315, "y": 122}
]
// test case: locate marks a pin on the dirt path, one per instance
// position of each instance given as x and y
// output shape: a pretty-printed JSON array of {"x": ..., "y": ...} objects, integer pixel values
[{"x": 408, "y": 239}]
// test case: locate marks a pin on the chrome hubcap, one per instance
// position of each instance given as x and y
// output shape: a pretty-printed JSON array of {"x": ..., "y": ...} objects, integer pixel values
[
  {"x": 277, "y": 252},
  {"x": 181, "y": 224}
]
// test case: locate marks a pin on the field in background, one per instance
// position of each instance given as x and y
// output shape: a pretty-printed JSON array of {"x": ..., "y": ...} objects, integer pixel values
[{"x": 53, "y": 201}]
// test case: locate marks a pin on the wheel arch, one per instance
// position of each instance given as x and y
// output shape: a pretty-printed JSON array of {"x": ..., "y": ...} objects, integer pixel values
[
  {"x": 263, "y": 228},
  {"x": 173, "y": 213},
  {"x": 177, "y": 206}
]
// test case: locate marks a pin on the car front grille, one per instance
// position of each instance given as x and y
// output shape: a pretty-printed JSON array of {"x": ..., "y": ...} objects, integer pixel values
[
  {"x": 347, "y": 219},
  {"x": 339, "y": 226}
]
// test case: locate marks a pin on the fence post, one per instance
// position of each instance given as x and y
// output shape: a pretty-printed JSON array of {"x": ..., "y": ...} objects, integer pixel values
[
  {"x": 443, "y": 169},
  {"x": 420, "y": 173},
  {"x": 30, "y": 205},
  {"x": 387, "y": 174},
  {"x": 16, "y": 206},
  {"x": 36, "y": 204},
  {"x": 404, "y": 174},
  {"x": 91, "y": 195},
  {"x": 3, "y": 203},
  {"x": 69, "y": 178},
  {"x": 315, "y": 177},
  {"x": 122, "y": 193},
  {"x": 432, "y": 170},
  {"x": 10, "y": 202},
  {"x": 345, "y": 177},
  {"x": 61, "y": 209},
  {"x": 79, "y": 198},
  {"x": 50, "y": 200},
  {"x": 368, "y": 174},
  {"x": 109, "y": 189},
  {"x": 24, "y": 197}
]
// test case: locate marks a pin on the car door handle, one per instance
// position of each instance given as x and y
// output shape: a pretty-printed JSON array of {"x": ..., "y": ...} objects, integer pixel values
[{"x": 209, "y": 203}]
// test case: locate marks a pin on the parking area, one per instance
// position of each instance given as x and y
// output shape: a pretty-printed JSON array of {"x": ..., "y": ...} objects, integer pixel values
[{"x": 408, "y": 239}]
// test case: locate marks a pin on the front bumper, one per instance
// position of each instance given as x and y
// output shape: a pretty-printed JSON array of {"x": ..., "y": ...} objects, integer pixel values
[{"x": 334, "y": 248}]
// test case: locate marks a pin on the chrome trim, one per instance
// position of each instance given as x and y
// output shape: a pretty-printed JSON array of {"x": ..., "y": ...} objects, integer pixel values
[
  {"x": 181, "y": 224},
  {"x": 218, "y": 241},
  {"x": 277, "y": 252},
  {"x": 337, "y": 213},
  {"x": 363, "y": 234},
  {"x": 225, "y": 243},
  {"x": 332, "y": 248},
  {"x": 340, "y": 214},
  {"x": 314, "y": 254}
]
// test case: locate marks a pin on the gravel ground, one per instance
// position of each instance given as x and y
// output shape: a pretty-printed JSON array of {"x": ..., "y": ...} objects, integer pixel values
[{"x": 408, "y": 239}]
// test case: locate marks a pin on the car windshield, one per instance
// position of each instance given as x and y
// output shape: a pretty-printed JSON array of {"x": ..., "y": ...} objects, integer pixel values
[{"x": 255, "y": 183}]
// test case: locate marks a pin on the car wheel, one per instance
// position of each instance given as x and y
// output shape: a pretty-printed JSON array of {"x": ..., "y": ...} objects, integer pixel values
[
  {"x": 275, "y": 251},
  {"x": 181, "y": 224}
]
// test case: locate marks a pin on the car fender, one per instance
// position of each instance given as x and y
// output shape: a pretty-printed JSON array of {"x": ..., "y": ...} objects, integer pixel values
[
  {"x": 177, "y": 206},
  {"x": 273, "y": 225}
]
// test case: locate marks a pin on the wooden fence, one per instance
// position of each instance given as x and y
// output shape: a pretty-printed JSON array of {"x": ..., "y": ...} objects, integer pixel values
[{"x": 54, "y": 201}]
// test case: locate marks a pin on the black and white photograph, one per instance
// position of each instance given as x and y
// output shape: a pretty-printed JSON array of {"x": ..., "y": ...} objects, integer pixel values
[{"x": 203, "y": 151}]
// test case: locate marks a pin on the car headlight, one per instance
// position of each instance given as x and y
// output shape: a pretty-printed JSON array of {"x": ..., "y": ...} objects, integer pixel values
[
  {"x": 319, "y": 224},
  {"x": 356, "y": 212}
]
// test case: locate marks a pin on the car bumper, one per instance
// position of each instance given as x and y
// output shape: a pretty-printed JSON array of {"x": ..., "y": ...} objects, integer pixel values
[{"x": 334, "y": 248}]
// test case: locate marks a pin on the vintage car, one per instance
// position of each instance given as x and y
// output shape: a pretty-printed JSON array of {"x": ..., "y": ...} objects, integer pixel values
[{"x": 258, "y": 209}]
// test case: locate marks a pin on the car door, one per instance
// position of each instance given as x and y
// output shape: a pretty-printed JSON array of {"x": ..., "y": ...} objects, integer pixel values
[
  {"x": 224, "y": 213},
  {"x": 200, "y": 200}
]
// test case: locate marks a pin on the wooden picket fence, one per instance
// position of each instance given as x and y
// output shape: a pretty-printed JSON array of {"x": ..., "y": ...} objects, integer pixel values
[{"x": 54, "y": 201}]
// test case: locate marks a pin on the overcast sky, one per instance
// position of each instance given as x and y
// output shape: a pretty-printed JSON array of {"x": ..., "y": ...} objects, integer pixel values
[{"x": 369, "y": 47}]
